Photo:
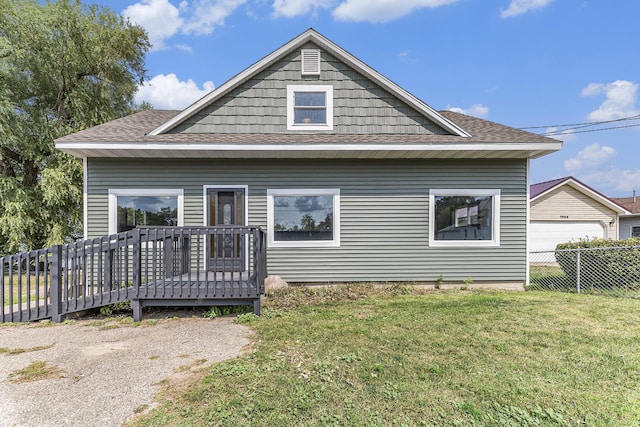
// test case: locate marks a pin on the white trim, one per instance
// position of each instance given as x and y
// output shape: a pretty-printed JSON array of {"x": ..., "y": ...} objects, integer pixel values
[
  {"x": 495, "y": 220},
  {"x": 85, "y": 198},
  {"x": 588, "y": 192},
  {"x": 205, "y": 205},
  {"x": 527, "y": 241},
  {"x": 115, "y": 192},
  {"x": 335, "y": 192},
  {"x": 205, "y": 212},
  {"x": 355, "y": 147},
  {"x": 292, "y": 90},
  {"x": 312, "y": 36}
]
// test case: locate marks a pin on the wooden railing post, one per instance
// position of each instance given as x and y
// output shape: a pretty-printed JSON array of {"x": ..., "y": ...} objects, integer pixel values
[
  {"x": 56, "y": 284},
  {"x": 137, "y": 260}
]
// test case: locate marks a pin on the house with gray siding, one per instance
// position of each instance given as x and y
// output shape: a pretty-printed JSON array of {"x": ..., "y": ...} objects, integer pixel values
[
  {"x": 629, "y": 224},
  {"x": 352, "y": 177}
]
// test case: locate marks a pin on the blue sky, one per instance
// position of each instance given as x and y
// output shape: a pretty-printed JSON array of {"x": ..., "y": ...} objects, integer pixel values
[{"x": 522, "y": 63}]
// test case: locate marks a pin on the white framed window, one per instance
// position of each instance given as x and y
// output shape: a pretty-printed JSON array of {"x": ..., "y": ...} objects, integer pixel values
[
  {"x": 303, "y": 218},
  {"x": 309, "y": 107},
  {"x": 635, "y": 231},
  {"x": 460, "y": 217},
  {"x": 130, "y": 208}
]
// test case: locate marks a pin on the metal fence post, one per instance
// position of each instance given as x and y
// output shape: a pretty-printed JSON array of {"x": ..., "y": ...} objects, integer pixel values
[{"x": 578, "y": 272}]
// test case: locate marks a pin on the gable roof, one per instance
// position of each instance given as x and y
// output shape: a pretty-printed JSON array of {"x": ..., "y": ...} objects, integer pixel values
[
  {"x": 313, "y": 36},
  {"x": 148, "y": 134},
  {"x": 538, "y": 190}
]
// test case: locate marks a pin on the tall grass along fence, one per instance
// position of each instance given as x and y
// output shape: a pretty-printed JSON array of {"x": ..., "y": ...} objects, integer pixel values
[
  {"x": 163, "y": 263},
  {"x": 583, "y": 267}
]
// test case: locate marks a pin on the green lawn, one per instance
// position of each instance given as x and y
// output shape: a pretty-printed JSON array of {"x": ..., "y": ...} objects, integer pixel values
[
  {"x": 366, "y": 357},
  {"x": 20, "y": 294}
]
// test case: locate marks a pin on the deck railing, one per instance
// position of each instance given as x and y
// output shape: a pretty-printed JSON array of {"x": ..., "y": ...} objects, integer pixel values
[{"x": 172, "y": 263}]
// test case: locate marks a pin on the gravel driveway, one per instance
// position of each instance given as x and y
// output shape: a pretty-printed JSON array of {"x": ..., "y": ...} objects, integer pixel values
[{"x": 109, "y": 370}]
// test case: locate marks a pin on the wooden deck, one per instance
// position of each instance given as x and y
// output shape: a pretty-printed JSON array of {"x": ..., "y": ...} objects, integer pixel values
[
  {"x": 203, "y": 288},
  {"x": 162, "y": 266}
]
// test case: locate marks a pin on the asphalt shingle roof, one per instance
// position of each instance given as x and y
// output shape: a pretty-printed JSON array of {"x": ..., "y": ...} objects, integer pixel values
[{"x": 135, "y": 129}]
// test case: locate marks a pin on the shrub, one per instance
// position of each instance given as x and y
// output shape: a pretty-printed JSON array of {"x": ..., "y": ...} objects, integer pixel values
[{"x": 604, "y": 263}]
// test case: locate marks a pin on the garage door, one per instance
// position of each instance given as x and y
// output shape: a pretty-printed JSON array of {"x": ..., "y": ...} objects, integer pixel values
[{"x": 545, "y": 235}]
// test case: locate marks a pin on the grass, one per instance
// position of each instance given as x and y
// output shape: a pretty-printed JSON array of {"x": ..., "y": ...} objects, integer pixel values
[
  {"x": 14, "y": 294},
  {"x": 36, "y": 371},
  {"x": 14, "y": 351},
  {"x": 363, "y": 356}
]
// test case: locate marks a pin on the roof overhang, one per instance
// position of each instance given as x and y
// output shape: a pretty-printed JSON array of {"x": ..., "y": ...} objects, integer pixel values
[
  {"x": 311, "y": 151},
  {"x": 577, "y": 185}
]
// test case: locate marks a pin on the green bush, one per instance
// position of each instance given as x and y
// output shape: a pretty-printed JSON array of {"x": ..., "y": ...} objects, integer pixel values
[{"x": 604, "y": 263}]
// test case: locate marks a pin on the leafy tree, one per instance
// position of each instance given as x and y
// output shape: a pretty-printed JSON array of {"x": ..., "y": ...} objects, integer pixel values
[
  {"x": 307, "y": 222},
  {"x": 64, "y": 67}
]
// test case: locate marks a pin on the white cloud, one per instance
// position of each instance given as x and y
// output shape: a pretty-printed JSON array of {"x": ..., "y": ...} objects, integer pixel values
[
  {"x": 167, "y": 92},
  {"x": 519, "y": 7},
  {"x": 476, "y": 110},
  {"x": 590, "y": 158},
  {"x": 205, "y": 15},
  {"x": 163, "y": 20},
  {"x": 291, "y": 8},
  {"x": 382, "y": 10},
  {"x": 159, "y": 17},
  {"x": 613, "y": 182},
  {"x": 565, "y": 135},
  {"x": 621, "y": 100}
]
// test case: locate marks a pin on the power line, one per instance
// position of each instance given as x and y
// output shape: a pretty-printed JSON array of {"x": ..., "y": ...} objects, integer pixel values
[
  {"x": 565, "y": 131},
  {"x": 573, "y": 128},
  {"x": 584, "y": 124}
]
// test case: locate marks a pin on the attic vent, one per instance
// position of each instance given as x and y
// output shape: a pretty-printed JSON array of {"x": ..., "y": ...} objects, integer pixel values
[{"x": 310, "y": 62}]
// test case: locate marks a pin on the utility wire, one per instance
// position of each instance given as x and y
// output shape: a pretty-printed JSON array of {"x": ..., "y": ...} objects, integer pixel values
[
  {"x": 568, "y": 131},
  {"x": 573, "y": 128},
  {"x": 585, "y": 124}
]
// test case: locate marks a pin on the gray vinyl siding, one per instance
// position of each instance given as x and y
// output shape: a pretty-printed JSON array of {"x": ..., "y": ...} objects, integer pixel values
[
  {"x": 259, "y": 105},
  {"x": 384, "y": 212},
  {"x": 626, "y": 224}
]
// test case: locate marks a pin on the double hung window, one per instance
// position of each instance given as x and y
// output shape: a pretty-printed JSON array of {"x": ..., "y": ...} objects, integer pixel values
[{"x": 309, "y": 107}]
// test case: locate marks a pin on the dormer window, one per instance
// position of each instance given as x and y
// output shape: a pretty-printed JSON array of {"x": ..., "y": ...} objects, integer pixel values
[{"x": 310, "y": 107}]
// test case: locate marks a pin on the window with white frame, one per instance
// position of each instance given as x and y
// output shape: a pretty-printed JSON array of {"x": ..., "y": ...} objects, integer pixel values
[
  {"x": 464, "y": 217},
  {"x": 309, "y": 107},
  {"x": 303, "y": 218},
  {"x": 131, "y": 208},
  {"x": 635, "y": 231}
]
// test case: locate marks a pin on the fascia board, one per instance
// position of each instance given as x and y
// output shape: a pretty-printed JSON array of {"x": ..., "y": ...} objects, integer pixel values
[
  {"x": 588, "y": 192},
  {"x": 72, "y": 146},
  {"x": 389, "y": 85},
  {"x": 597, "y": 196},
  {"x": 313, "y": 36}
]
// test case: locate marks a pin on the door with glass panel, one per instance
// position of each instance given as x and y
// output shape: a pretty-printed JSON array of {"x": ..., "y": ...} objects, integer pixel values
[{"x": 226, "y": 250}]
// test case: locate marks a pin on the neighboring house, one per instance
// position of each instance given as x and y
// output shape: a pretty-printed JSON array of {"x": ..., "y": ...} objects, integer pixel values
[
  {"x": 352, "y": 177},
  {"x": 566, "y": 209},
  {"x": 629, "y": 224}
]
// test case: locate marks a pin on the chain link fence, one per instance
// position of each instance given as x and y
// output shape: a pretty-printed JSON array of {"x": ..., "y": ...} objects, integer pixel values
[{"x": 611, "y": 271}]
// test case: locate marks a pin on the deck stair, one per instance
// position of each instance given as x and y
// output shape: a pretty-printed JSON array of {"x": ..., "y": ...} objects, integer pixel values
[{"x": 154, "y": 266}]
